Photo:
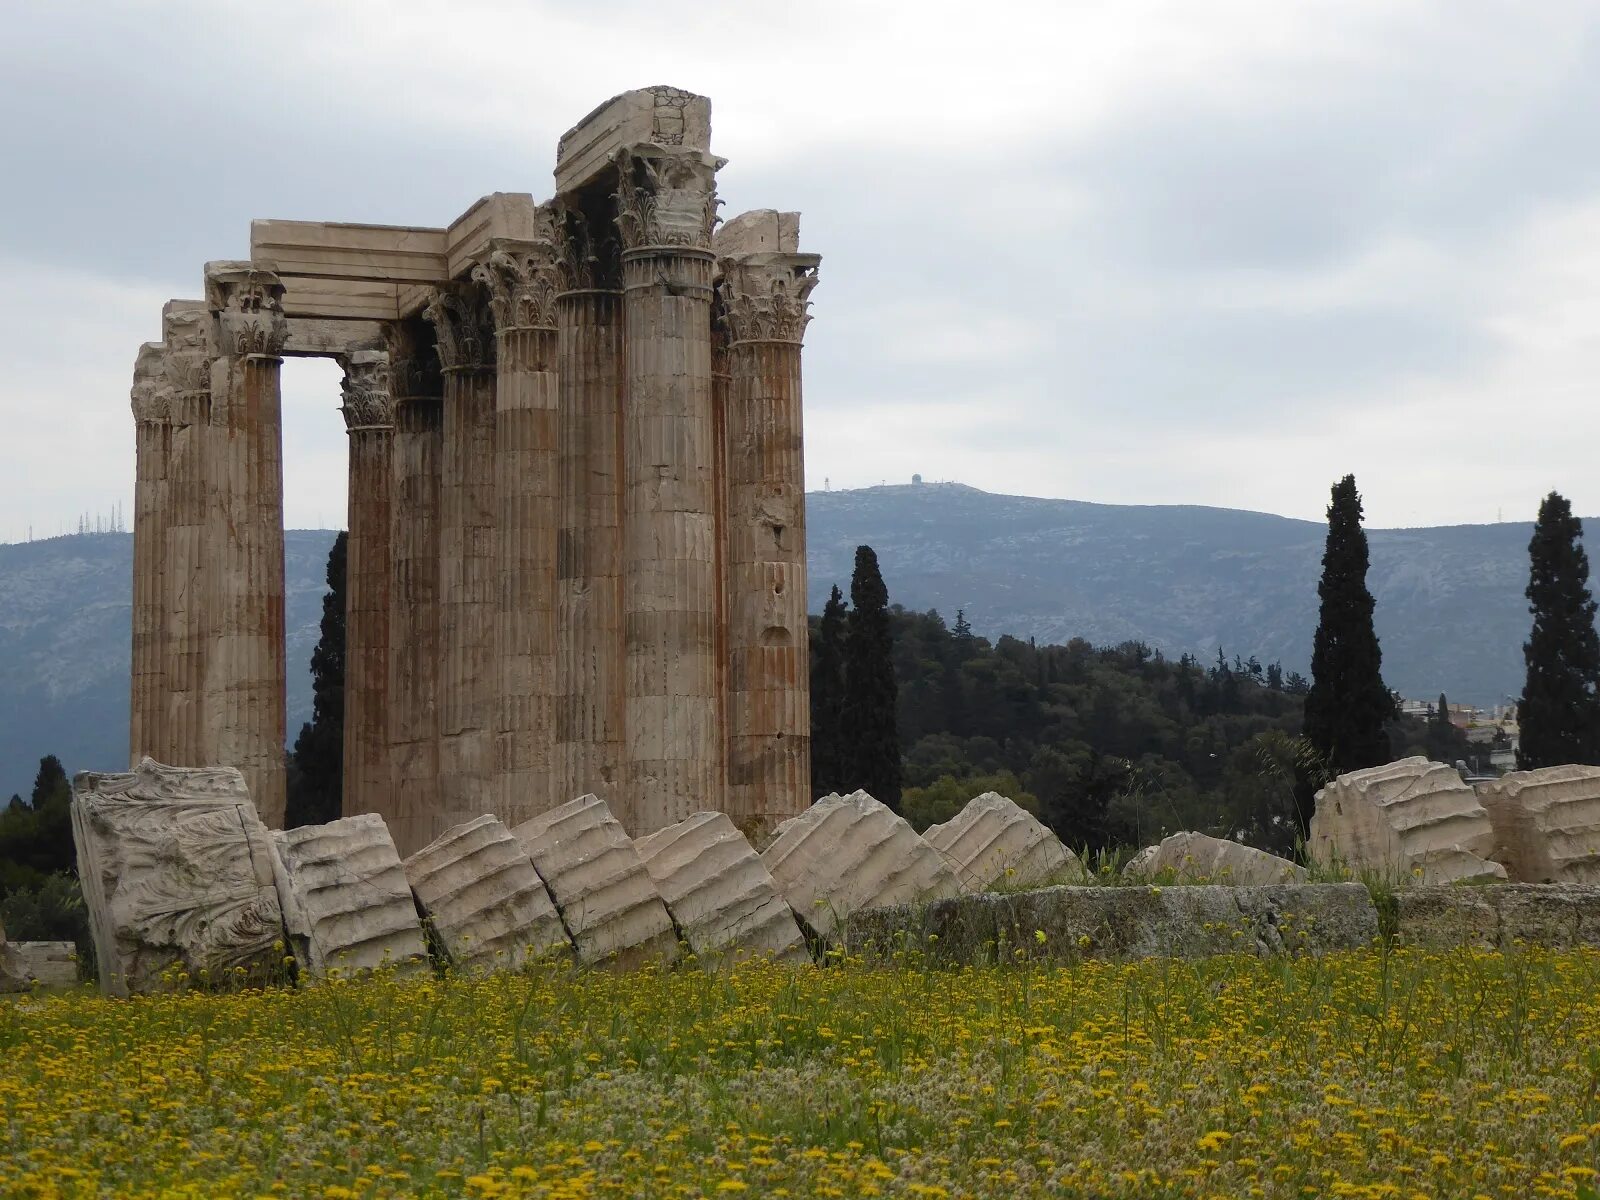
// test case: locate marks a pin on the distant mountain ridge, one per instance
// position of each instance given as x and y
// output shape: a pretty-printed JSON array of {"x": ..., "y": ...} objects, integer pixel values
[{"x": 1451, "y": 615}]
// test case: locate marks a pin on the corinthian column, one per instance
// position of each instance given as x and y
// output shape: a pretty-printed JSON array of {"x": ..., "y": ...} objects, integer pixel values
[
  {"x": 589, "y": 706},
  {"x": 467, "y": 573},
  {"x": 764, "y": 305},
  {"x": 413, "y": 725},
  {"x": 188, "y": 618},
  {"x": 245, "y": 679},
  {"x": 152, "y": 416},
  {"x": 369, "y": 420},
  {"x": 666, "y": 205},
  {"x": 521, "y": 277}
]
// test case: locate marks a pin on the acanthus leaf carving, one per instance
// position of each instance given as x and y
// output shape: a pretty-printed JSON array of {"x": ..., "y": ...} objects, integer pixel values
[
  {"x": 666, "y": 198},
  {"x": 368, "y": 402},
  {"x": 248, "y": 304},
  {"x": 766, "y": 297},
  {"x": 463, "y": 325},
  {"x": 523, "y": 277},
  {"x": 151, "y": 393},
  {"x": 186, "y": 332},
  {"x": 589, "y": 258}
]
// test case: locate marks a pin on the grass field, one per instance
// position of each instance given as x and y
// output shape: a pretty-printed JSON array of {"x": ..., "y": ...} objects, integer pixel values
[{"x": 1375, "y": 1074}]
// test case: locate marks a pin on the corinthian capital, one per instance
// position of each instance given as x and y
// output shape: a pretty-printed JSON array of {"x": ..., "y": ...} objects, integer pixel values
[
  {"x": 367, "y": 402},
  {"x": 248, "y": 303},
  {"x": 186, "y": 332},
  {"x": 590, "y": 253},
  {"x": 523, "y": 277},
  {"x": 152, "y": 394},
  {"x": 666, "y": 197},
  {"x": 463, "y": 326},
  {"x": 766, "y": 297}
]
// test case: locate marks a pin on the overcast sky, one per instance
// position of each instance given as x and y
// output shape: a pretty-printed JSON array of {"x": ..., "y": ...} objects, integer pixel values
[{"x": 1132, "y": 252}]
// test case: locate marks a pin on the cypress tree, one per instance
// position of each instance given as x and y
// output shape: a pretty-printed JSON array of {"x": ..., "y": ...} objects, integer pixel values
[
  {"x": 827, "y": 698},
  {"x": 1560, "y": 709},
  {"x": 316, "y": 768},
  {"x": 871, "y": 739},
  {"x": 1348, "y": 704}
]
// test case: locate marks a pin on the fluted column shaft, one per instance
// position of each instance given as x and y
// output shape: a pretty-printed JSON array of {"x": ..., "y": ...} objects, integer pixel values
[
  {"x": 413, "y": 711},
  {"x": 589, "y": 707},
  {"x": 522, "y": 282},
  {"x": 764, "y": 304},
  {"x": 245, "y": 681},
  {"x": 369, "y": 420},
  {"x": 152, "y": 414},
  {"x": 672, "y": 705},
  {"x": 468, "y": 576},
  {"x": 186, "y": 553}
]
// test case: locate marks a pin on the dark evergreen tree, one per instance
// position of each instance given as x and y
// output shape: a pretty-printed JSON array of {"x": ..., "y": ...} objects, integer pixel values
[
  {"x": 1441, "y": 715},
  {"x": 827, "y": 698},
  {"x": 1560, "y": 709},
  {"x": 871, "y": 739},
  {"x": 36, "y": 837},
  {"x": 1275, "y": 676},
  {"x": 1348, "y": 705},
  {"x": 316, "y": 768}
]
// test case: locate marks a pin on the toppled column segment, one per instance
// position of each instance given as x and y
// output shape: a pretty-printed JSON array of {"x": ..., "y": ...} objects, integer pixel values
[
  {"x": 488, "y": 906},
  {"x": 1200, "y": 858},
  {"x": 346, "y": 902},
  {"x": 606, "y": 898},
  {"x": 847, "y": 853},
  {"x": 720, "y": 894},
  {"x": 994, "y": 841},
  {"x": 177, "y": 872},
  {"x": 1547, "y": 823},
  {"x": 1411, "y": 817}
]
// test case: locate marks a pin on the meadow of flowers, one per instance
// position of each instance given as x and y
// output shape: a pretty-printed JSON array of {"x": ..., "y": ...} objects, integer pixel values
[{"x": 1370, "y": 1074}]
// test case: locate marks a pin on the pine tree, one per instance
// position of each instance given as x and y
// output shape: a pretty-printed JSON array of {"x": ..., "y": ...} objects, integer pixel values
[
  {"x": 827, "y": 698},
  {"x": 316, "y": 768},
  {"x": 871, "y": 754},
  {"x": 1348, "y": 704},
  {"x": 1560, "y": 709}
]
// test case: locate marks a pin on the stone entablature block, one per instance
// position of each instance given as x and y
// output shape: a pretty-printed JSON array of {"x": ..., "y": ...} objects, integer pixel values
[{"x": 658, "y": 116}]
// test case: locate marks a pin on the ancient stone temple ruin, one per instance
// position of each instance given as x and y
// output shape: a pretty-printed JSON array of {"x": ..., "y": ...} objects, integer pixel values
[{"x": 576, "y": 501}]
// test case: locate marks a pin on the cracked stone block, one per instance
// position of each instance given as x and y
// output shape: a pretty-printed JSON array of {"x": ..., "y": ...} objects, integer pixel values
[
  {"x": 720, "y": 894},
  {"x": 847, "y": 853},
  {"x": 26, "y": 965},
  {"x": 606, "y": 898},
  {"x": 1407, "y": 818},
  {"x": 345, "y": 898},
  {"x": 1200, "y": 858},
  {"x": 177, "y": 872},
  {"x": 1441, "y": 917},
  {"x": 488, "y": 906},
  {"x": 993, "y": 840},
  {"x": 1547, "y": 823}
]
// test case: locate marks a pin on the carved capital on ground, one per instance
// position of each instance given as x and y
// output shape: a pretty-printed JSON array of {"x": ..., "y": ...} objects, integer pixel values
[
  {"x": 152, "y": 394},
  {"x": 666, "y": 198},
  {"x": 247, "y": 302},
  {"x": 186, "y": 333},
  {"x": 367, "y": 401},
  {"x": 766, "y": 297},
  {"x": 464, "y": 326},
  {"x": 523, "y": 278},
  {"x": 590, "y": 254}
]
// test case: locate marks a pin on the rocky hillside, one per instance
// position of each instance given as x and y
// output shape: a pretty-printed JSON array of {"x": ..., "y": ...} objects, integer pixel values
[{"x": 1450, "y": 609}]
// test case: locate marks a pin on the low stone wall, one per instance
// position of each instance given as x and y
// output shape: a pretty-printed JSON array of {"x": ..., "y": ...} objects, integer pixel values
[{"x": 1498, "y": 916}]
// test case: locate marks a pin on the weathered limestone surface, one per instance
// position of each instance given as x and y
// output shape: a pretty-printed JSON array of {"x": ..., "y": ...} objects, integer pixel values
[
  {"x": 26, "y": 965},
  {"x": 346, "y": 902},
  {"x": 245, "y": 681},
  {"x": 152, "y": 414},
  {"x": 847, "y": 853},
  {"x": 993, "y": 840},
  {"x": 607, "y": 900},
  {"x": 720, "y": 894},
  {"x": 413, "y": 711},
  {"x": 589, "y": 668},
  {"x": 764, "y": 306},
  {"x": 1067, "y": 924},
  {"x": 1547, "y": 823},
  {"x": 369, "y": 420},
  {"x": 1499, "y": 916},
  {"x": 672, "y": 707},
  {"x": 1200, "y": 858},
  {"x": 177, "y": 871},
  {"x": 487, "y": 904},
  {"x": 660, "y": 115},
  {"x": 1409, "y": 815},
  {"x": 522, "y": 279},
  {"x": 468, "y": 575}
]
